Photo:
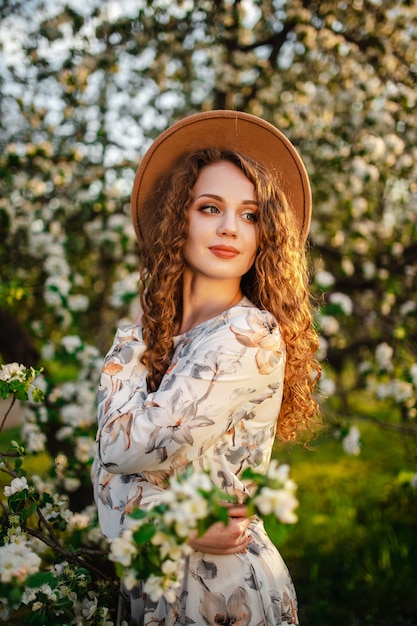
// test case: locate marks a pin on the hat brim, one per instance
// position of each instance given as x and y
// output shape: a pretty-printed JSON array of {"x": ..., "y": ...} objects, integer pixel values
[{"x": 230, "y": 130}]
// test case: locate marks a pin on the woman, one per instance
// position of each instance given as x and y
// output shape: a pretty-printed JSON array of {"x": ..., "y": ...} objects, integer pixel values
[{"x": 221, "y": 359}]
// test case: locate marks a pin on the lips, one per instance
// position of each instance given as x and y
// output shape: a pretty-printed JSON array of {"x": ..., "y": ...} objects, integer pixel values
[{"x": 224, "y": 252}]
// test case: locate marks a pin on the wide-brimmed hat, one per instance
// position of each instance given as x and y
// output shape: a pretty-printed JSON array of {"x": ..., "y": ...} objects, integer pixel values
[{"x": 225, "y": 130}]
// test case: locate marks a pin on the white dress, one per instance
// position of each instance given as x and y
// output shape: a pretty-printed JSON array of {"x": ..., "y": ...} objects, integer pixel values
[{"x": 215, "y": 410}]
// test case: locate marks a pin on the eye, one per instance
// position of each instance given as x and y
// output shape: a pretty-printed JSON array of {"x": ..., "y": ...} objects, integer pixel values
[
  {"x": 209, "y": 208},
  {"x": 250, "y": 216}
]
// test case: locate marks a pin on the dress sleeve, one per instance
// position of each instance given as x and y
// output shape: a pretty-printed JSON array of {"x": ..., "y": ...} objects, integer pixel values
[{"x": 216, "y": 379}]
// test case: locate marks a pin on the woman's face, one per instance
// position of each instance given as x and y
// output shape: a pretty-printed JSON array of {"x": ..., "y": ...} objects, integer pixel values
[{"x": 223, "y": 235}]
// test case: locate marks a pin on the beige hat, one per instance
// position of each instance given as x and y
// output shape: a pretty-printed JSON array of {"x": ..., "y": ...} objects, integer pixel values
[{"x": 229, "y": 130}]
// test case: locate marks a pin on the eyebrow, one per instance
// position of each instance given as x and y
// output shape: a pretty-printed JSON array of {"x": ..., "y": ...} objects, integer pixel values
[{"x": 216, "y": 197}]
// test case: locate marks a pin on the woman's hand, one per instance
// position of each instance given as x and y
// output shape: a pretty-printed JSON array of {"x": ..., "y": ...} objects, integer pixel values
[{"x": 222, "y": 539}]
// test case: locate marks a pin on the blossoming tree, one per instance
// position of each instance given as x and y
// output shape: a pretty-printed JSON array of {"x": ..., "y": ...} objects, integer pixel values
[{"x": 84, "y": 89}]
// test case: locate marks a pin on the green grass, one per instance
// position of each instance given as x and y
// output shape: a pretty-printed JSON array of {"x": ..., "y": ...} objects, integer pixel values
[{"x": 353, "y": 552}]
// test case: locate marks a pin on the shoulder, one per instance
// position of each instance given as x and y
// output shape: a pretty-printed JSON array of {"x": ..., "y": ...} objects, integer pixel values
[
  {"x": 256, "y": 328},
  {"x": 131, "y": 332},
  {"x": 127, "y": 342}
]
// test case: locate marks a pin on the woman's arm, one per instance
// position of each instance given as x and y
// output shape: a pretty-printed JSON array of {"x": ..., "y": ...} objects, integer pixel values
[
  {"x": 222, "y": 539},
  {"x": 215, "y": 380}
]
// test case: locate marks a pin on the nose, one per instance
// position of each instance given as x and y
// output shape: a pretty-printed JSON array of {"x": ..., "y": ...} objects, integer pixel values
[{"x": 228, "y": 224}]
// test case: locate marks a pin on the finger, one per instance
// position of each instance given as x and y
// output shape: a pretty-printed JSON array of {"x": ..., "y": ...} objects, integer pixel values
[{"x": 237, "y": 510}]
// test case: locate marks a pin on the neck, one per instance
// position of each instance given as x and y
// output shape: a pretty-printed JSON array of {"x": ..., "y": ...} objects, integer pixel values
[{"x": 202, "y": 302}]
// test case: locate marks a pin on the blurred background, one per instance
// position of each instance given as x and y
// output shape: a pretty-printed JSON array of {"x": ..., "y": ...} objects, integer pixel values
[{"x": 85, "y": 85}]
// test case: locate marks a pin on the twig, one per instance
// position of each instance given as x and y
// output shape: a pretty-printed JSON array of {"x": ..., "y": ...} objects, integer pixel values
[
  {"x": 75, "y": 557},
  {"x": 400, "y": 428},
  {"x": 7, "y": 465},
  {"x": 7, "y": 412}
]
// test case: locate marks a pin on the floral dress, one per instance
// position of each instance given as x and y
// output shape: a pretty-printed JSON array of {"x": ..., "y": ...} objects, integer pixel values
[{"x": 215, "y": 410}]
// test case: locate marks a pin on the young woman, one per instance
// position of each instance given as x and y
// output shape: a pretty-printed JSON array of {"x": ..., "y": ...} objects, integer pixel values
[{"x": 220, "y": 360}]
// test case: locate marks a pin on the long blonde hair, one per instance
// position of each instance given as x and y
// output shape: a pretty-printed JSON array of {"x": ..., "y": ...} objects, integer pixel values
[{"x": 277, "y": 281}]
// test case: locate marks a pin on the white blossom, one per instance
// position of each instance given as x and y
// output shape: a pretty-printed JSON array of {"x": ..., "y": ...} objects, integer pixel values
[
  {"x": 408, "y": 307},
  {"x": 169, "y": 592},
  {"x": 12, "y": 371},
  {"x": 78, "y": 302},
  {"x": 122, "y": 549},
  {"x": 383, "y": 355},
  {"x": 157, "y": 587},
  {"x": 53, "y": 298},
  {"x": 125, "y": 288},
  {"x": 34, "y": 438},
  {"x": 50, "y": 593},
  {"x": 322, "y": 350},
  {"x": 364, "y": 367},
  {"x": 399, "y": 390},
  {"x": 368, "y": 269},
  {"x": 56, "y": 265},
  {"x": 84, "y": 448},
  {"x": 90, "y": 605},
  {"x": 329, "y": 324},
  {"x": 90, "y": 356},
  {"x": 280, "y": 473},
  {"x": 185, "y": 514},
  {"x": 168, "y": 547},
  {"x": 17, "y": 561},
  {"x": 153, "y": 587},
  {"x": 17, "y": 484},
  {"x": 72, "y": 484},
  {"x": 324, "y": 278},
  {"x": 78, "y": 521},
  {"x": 57, "y": 284},
  {"x": 71, "y": 343},
  {"x": 343, "y": 301},
  {"x": 374, "y": 146},
  {"x": 352, "y": 442},
  {"x": 29, "y": 595},
  {"x": 48, "y": 351},
  {"x": 129, "y": 579},
  {"x": 75, "y": 415},
  {"x": 395, "y": 144},
  {"x": 64, "y": 433},
  {"x": 327, "y": 385},
  {"x": 169, "y": 567},
  {"x": 383, "y": 391},
  {"x": 280, "y": 502}
]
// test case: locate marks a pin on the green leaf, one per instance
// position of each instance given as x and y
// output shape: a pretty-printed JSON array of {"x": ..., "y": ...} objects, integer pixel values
[
  {"x": 29, "y": 510},
  {"x": 275, "y": 529},
  {"x": 4, "y": 389},
  {"x": 138, "y": 514},
  {"x": 14, "y": 595},
  {"x": 21, "y": 394},
  {"x": 37, "y": 618},
  {"x": 39, "y": 579},
  {"x": 144, "y": 533}
]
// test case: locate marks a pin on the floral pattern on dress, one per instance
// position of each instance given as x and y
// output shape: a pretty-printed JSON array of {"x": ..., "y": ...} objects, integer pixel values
[{"x": 215, "y": 410}]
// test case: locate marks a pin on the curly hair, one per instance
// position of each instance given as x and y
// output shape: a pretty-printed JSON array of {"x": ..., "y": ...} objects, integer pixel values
[{"x": 277, "y": 281}]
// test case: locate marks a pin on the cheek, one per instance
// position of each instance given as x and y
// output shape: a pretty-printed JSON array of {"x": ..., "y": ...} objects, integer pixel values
[
  {"x": 192, "y": 245},
  {"x": 197, "y": 231}
]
